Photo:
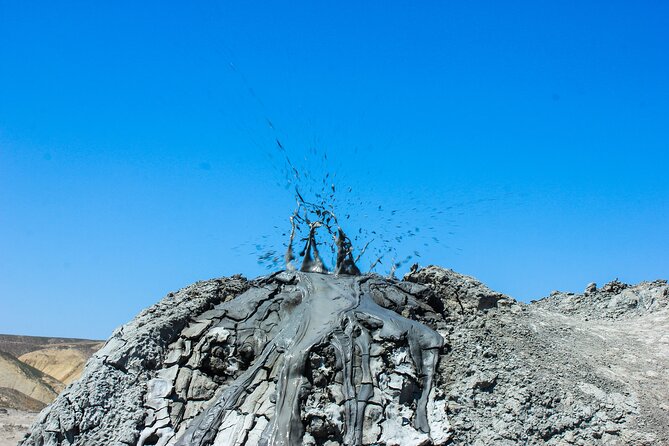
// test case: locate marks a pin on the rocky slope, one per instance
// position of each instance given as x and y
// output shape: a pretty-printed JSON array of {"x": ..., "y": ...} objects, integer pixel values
[
  {"x": 13, "y": 399},
  {"x": 33, "y": 370},
  {"x": 217, "y": 363},
  {"x": 20, "y": 377},
  {"x": 37, "y": 368},
  {"x": 563, "y": 370}
]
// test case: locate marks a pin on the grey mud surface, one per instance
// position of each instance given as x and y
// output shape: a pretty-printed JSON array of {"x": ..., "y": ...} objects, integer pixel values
[{"x": 437, "y": 358}]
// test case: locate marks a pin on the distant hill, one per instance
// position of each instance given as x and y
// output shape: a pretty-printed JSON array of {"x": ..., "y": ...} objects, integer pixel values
[
  {"x": 21, "y": 377},
  {"x": 33, "y": 369},
  {"x": 13, "y": 399},
  {"x": 64, "y": 363},
  {"x": 17, "y": 345}
]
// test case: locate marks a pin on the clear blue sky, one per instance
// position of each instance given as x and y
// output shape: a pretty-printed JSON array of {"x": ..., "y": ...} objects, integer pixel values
[{"x": 136, "y": 158}]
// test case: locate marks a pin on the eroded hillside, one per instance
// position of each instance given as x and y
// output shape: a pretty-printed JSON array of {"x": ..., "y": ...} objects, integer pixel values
[{"x": 33, "y": 370}]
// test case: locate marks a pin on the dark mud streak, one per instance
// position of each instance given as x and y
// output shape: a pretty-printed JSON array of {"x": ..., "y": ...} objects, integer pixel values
[
  {"x": 312, "y": 262},
  {"x": 345, "y": 262}
]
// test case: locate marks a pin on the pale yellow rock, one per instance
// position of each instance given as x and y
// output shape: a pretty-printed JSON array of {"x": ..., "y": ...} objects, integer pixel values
[
  {"x": 31, "y": 382},
  {"x": 65, "y": 364}
]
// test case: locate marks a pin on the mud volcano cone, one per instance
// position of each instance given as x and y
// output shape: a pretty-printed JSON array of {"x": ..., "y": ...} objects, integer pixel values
[{"x": 303, "y": 358}]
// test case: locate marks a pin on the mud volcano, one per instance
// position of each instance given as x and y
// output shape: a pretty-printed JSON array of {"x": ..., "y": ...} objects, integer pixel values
[
  {"x": 300, "y": 357},
  {"x": 306, "y": 353},
  {"x": 308, "y": 357}
]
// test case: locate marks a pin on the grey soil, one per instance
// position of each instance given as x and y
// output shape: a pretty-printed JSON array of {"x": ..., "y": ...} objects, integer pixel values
[{"x": 312, "y": 359}]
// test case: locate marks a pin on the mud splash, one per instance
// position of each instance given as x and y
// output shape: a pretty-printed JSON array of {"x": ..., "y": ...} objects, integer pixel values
[{"x": 319, "y": 309}]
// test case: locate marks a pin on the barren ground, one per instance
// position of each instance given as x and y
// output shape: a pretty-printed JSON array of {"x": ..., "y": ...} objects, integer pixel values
[{"x": 13, "y": 425}]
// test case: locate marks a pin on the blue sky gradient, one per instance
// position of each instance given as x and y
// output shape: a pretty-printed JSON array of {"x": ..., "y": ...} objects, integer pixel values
[{"x": 136, "y": 155}]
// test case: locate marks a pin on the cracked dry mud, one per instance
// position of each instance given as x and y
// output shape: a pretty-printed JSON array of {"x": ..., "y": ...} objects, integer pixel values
[{"x": 301, "y": 358}]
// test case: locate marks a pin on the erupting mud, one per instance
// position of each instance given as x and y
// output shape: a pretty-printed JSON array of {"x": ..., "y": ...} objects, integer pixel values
[
  {"x": 275, "y": 333},
  {"x": 305, "y": 358},
  {"x": 308, "y": 357}
]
